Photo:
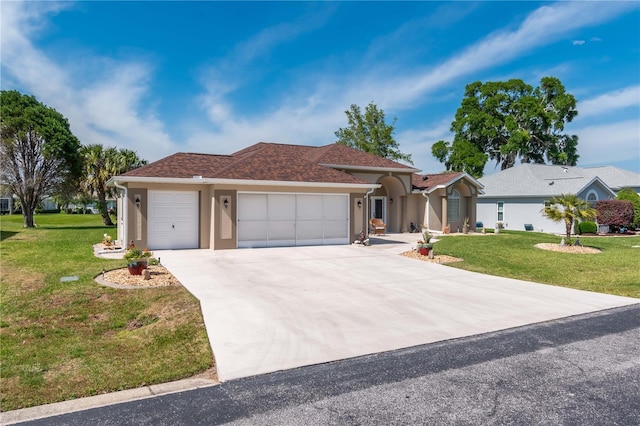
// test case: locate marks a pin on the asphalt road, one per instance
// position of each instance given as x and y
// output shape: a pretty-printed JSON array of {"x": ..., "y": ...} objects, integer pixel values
[{"x": 583, "y": 370}]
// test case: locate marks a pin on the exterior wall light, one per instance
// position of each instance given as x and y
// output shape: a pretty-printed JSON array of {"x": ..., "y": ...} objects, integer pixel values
[
  {"x": 359, "y": 204},
  {"x": 226, "y": 203},
  {"x": 137, "y": 201},
  {"x": 390, "y": 200}
]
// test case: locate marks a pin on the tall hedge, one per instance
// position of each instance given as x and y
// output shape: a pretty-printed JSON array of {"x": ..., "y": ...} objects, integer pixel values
[
  {"x": 631, "y": 195},
  {"x": 615, "y": 212}
]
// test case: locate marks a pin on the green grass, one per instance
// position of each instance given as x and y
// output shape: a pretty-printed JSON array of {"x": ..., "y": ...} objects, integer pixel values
[
  {"x": 60, "y": 341},
  {"x": 512, "y": 254}
]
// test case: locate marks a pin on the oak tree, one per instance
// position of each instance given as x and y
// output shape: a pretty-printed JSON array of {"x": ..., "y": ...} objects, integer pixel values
[{"x": 510, "y": 121}]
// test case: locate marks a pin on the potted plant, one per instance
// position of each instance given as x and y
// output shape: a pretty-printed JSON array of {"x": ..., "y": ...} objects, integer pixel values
[
  {"x": 499, "y": 226},
  {"x": 137, "y": 260},
  {"x": 424, "y": 245}
]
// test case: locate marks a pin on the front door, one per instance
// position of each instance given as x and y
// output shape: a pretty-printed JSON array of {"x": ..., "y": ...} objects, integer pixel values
[{"x": 379, "y": 208}]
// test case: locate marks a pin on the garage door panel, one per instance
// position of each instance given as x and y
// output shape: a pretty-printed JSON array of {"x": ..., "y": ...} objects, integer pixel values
[
  {"x": 252, "y": 207},
  {"x": 309, "y": 230},
  {"x": 173, "y": 220},
  {"x": 309, "y": 207},
  {"x": 282, "y": 207},
  {"x": 281, "y": 230},
  {"x": 335, "y": 207},
  {"x": 335, "y": 229}
]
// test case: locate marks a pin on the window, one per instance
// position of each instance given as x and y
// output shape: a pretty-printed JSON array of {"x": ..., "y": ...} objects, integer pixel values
[
  {"x": 500, "y": 211},
  {"x": 453, "y": 206},
  {"x": 592, "y": 197}
]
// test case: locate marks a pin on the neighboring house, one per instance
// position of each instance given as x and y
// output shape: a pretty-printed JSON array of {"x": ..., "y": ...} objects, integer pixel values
[
  {"x": 266, "y": 195},
  {"x": 6, "y": 205},
  {"x": 517, "y": 195}
]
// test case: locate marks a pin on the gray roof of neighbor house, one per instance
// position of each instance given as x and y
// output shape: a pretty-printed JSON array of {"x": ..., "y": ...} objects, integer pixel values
[
  {"x": 529, "y": 180},
  {"x": 271, "y": 162}
]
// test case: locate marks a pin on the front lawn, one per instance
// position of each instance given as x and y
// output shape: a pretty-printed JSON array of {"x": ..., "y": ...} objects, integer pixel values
[
  {"x": 64, "y": 340},
  {"x": 512, "y": 254}
]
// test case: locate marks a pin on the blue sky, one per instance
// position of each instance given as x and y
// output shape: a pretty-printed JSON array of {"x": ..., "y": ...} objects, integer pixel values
[{"x": 215, "y": 77}]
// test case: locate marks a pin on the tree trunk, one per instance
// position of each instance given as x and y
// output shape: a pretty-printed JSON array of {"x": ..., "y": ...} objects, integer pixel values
[
  {"x": 102, "y": 206},
  {"x": 568, "y": 224},
  {"x": 27, "y": 216}
]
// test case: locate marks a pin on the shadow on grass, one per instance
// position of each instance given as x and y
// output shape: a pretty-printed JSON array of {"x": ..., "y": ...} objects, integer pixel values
[{"x": 6, "y": 234}]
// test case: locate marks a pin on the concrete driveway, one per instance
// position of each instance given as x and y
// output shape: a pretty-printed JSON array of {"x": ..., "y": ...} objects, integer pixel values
[{"x": 279, "y": 308}]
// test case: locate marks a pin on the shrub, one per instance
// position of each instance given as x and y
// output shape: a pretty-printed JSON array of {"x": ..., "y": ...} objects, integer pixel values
[
  {"x": 615, "y": 212},
  {"x": 587, "y": 227},
  {"x": 629, "y": 194}
]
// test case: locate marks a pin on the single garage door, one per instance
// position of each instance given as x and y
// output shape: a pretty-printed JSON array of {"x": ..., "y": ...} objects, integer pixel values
[
  {"x": 280, "y": 220},
  {"x": 172, "y": 220}
]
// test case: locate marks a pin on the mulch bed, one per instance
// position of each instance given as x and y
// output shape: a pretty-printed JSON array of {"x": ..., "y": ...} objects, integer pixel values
[
  {"x": 160, "y": 277},
  {"x": 438, "y": 258}
]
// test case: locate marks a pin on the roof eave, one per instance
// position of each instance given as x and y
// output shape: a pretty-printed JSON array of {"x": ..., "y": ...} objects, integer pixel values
[{"x": 197, "y": 180}]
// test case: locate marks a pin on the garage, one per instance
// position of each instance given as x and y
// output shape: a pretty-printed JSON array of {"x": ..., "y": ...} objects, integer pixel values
[
  {"x": 282, "y": 220},
  {"x": 172, "y": 221}
]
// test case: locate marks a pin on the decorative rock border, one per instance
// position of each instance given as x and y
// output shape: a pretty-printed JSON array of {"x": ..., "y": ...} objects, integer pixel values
[{"x": 568, "y": 249}]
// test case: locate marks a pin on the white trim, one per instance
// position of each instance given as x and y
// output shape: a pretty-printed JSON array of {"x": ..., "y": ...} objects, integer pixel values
[
  {"x": 200, "y": 181},
  {"x": 383, "y": 198}
]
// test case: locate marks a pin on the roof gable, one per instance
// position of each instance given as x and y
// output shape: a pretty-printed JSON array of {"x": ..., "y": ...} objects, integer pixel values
[{"x": 430, "y": 181}]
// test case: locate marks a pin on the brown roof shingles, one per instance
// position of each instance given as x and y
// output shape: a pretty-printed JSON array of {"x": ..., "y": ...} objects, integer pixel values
[
  {"x": 268, "y": 162},
  {"x": 419, "y": 182},
  {"x": 183, "y": 165}
]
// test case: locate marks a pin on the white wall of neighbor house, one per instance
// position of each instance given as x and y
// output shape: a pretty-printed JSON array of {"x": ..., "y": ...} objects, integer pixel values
[{"x": 517, "y": 213}]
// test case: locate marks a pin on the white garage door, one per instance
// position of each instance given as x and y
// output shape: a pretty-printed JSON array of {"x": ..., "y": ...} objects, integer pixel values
[
  {"x": 279, "y": 220},
  {"x": 172, "y": 220}
]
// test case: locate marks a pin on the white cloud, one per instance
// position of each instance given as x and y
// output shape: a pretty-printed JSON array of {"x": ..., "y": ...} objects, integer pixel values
[
  {"x": 609, "y": 143},
  {"x": 578, "y": 42},
  {"x": 611, "y": 101},
  {"x": 106, "y": 109}
]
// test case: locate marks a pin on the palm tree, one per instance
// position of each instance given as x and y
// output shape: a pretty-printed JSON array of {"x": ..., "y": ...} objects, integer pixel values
[
  {"x": 99, "y": 166},
  {"x": 568, "y": 208}
]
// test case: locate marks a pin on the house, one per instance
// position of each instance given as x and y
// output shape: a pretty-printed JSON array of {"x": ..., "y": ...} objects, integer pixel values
[
  {"x": 517, "y": 195},
  {"x": 271, "y": 194}
]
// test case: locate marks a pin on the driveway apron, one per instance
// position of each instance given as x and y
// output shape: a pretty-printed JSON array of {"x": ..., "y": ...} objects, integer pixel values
[{"x": 279, "y": 308}]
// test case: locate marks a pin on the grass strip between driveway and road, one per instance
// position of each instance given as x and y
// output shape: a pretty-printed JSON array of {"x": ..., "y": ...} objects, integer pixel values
[
  {"x": 512, "y": 254},
  {"x": 65, "y": 340}
]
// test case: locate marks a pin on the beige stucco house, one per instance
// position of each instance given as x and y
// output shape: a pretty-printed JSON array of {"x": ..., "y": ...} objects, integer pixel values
[{"x": 270, "y": 195}]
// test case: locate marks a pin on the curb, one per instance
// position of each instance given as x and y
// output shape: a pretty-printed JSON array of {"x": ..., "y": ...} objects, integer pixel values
[{"x": 74, "y": 405}]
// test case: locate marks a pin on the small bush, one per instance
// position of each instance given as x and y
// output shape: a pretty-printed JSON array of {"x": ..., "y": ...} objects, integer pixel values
[{"x": 587, "y": 227}]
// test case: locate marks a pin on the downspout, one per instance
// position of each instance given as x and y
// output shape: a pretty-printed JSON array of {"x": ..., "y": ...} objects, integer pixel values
[
  {"x": 366, "y": 199},
  {"x": 125, "y": 213}
]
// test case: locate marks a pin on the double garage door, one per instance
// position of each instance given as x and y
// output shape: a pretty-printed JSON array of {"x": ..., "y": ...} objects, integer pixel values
[{"x": 278, "y": 220}]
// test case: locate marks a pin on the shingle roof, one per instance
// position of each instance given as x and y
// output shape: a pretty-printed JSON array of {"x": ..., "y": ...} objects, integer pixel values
[
  {"x": 549, "y": 180},
  {"x": 429, "y": 181},
  {"x": 270, "y": 162}
]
